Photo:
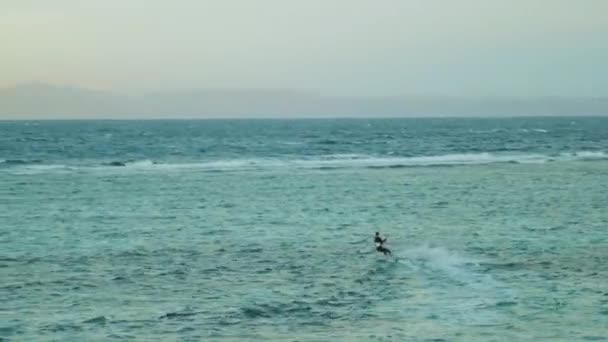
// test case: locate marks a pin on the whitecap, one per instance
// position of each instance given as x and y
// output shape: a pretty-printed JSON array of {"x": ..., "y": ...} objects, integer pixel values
[{"x": 323, "y": 162}]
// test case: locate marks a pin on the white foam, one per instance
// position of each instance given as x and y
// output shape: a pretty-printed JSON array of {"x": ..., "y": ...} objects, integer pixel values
[
  {"x": 37, "y": 169},
  {"x": 486, "y": 131},
  {"x": 146, "y": 163},
  {"x": 437, "y": 257},
  {"x": 292, "y": 143},
  {"x": 46, "y": 167},
  {"x": 433, "y": 260},
  {"x": 324, "y": 162},
  {"x": 586, "y": 155},
  {"x": 449, "y": 159},
  {"x": 219, "y": 165}
]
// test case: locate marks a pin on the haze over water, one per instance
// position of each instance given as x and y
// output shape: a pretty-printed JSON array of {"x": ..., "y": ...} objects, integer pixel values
[{"x": 363, "y": 48}]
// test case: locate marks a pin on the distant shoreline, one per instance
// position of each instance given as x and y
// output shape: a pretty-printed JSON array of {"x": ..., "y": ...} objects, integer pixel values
[{"x": 42, "y": 102}]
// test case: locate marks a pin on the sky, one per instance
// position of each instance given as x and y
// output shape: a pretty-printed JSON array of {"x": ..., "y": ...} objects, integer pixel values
[{"x": 467, "y": 48}]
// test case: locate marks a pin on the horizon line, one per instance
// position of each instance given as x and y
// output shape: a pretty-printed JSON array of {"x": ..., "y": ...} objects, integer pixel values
[{"x": 301, "y": 118}]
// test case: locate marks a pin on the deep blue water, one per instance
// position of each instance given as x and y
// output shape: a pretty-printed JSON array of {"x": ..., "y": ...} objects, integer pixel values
[{"x": 263, "y": 230}]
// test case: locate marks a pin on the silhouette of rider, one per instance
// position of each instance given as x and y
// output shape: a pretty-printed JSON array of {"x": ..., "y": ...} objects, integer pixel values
[{"x": 379, "y": 244}]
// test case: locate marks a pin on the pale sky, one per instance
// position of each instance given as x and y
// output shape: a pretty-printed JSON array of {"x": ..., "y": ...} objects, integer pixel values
[{"x": 335, "y": 47}]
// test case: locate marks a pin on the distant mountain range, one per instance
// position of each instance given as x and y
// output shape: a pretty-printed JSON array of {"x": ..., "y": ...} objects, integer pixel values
[{"x": 41, "y": 101}]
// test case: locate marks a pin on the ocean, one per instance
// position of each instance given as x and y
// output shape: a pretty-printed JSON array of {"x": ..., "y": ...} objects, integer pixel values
[{"x": 262, "y": 230}]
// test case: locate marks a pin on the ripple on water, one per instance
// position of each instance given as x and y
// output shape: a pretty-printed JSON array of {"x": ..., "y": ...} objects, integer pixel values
[
  {"x": 96, "y": 320},
  {"x": 178, "y": 315},
  {"x": 285, "y": 253}
]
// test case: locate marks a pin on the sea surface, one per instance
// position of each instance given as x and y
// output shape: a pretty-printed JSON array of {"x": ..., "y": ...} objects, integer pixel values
[{"x": 262, "y": 230}]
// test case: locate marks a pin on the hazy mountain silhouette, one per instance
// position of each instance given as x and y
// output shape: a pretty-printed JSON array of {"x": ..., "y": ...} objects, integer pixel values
[{"x": 39, "y": 101}]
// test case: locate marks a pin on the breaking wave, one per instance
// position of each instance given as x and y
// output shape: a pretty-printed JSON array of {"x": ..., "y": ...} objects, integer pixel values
[{"x": 326, "y": 162}]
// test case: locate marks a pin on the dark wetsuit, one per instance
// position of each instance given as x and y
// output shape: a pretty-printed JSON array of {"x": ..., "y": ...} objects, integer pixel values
[{"x": 379, "y": 242}]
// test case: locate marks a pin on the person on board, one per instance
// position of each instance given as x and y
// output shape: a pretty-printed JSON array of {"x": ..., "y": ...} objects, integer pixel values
[{"x": 380, "y": 244}]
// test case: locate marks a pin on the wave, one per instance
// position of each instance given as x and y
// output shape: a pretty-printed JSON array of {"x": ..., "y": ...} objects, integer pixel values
[
  {"x": 589, "y": 155},
  {"x": 11, "y": 162},
  {"x": 325, "y": 162},
  {"x": 487, "y": 131},
  {"x": 130, "y": 163},
  {"x": 503, "y": 130},
  {"x": 336, "y": 161},
  {"x": 177, "y": 315},
  {"x": 96, "y": 320},
  {"x": 354, "y": 161},
  {"x": 536, "y": 130}
]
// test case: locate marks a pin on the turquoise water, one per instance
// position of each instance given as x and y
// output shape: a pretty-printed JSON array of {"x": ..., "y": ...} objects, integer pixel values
[{"x": 263, "y": 230}]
